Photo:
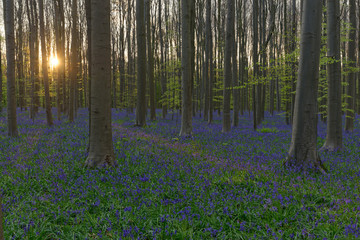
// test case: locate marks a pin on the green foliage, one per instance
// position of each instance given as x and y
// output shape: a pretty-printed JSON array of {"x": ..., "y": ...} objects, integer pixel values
[{"x": 268, "y": 130}]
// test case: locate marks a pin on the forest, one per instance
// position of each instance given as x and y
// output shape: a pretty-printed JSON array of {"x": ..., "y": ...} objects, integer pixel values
[{"x": 179, "y": 119}]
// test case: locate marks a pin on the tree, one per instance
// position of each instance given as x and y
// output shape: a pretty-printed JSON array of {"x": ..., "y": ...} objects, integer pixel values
[
  {"x": 208, "y": 77},
  {"x": 351, "y": 89},
  {"x": 141, "y": 64},
  {"x": 101, "y": 150},
  {"x": 74, "y": 60},
  {"x": 59, "y": 24},
  {"x": 8, "y": 6},
  {"x": 229, "y": 35},
  {"x": 1, "y": 80},
  {"x": 334, "y": 121},
  {"x": 186, "y": 113},
  {"x": 49, "y": 118},
  {"x": 150, "y": 61},
  {"x": 303, "y": 152},
  {"x": 1, "y": 221},
  {"x": 162, "y": 65},
  {"x": 255, "y": 63}
]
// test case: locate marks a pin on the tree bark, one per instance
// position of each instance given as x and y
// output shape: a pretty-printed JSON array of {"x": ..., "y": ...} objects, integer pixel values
[
  {"x": 255, "y": 63},
  {"x": 8, "y": 6},
  {"x": 303, "y": 151},
  {"x": 334, "y": 121},
  {"x": 20, "y": 66},
  {"x": 101, "y": 150},
  {"x": 186, "y": 112},
  {"x": 141, "y": 64},
  {"x": 1, "y": 80},
  {"x": 1, "y": 220},
  {"x": 74, "y": 60},
  {"x": 49, "y": 118},
  {"x": 351, "y": 89},
  {"x": 150, "y": 62},
  {"x": 229, "y": 35}
]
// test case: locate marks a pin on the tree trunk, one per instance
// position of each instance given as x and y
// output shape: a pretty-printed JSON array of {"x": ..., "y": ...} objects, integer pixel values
[
  {"x": 74, "y": 60},
  {"x": 186, "y": 111},
  {"x": 303, "y": 151},
  {"x": 351, "y": 89},
  {"x": 101, "y": 150},
  {"x": 8, "y": 6},
  {"x": 20, "y": 63},
  {"x": 334, "y": 121},
  {"x": 49, "y": 118},
  {"x": 162, "y": 67},
  {"x": 1, "y": 221},
  {"x": 255, "y": 63},
  {"x": 229, "y": 35},
  {"x": 141, "y": 64},
  {"x": 207, "y": 59},
  {"x": 1, "y": 80},
  {"x": 150, "y": 62}
]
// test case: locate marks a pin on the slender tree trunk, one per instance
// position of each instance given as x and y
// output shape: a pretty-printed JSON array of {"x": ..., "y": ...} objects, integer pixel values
[
  {"x": 351, "y": 89},
  {"x": 101, "y": 150},
  {"x": 229, "y": 35},
  {"x": 141, "y": 64},
  {"x": 74, "y": 60},
  {"x": 114, "y": 85},
  {"x": 186, "y": 112},
  {"x": 1, "y": 80},
  {"x": 150, "y": 62},
  {"x": 20, "y": 57},
  {"x": 49, "y": 118},
  {"x": 303, "y": 151},
  {"x": 8, "y": 6},
  {"x": 1, "y": 221},
  {"x": 162, "y": 74},
  {"x": 334, "y": 122},
  {"x": 255, "y": 63}
]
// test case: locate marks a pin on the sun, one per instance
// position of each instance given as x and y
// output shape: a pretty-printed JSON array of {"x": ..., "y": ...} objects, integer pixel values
[{"x": 54, "y": 61}]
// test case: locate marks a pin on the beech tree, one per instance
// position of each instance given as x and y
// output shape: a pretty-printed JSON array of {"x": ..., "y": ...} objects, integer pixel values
[
  {"x": 150, "y": 62},
  {"x": 141, "y": 64},
  {"x": 49, "y": 118},
  {"x": 1, "y": 221},
  {"x": 8, "y": 6},
  {"x": 334, "y": 121},
  {"x": 229, "y": 35},
  {"x": 186, "y": 113},
  {"x": 303, "y": 151},
  {"x": 74, "y": 60},
  {"x": 351, "y": 88},
  {"x": 101, "y": 151}
]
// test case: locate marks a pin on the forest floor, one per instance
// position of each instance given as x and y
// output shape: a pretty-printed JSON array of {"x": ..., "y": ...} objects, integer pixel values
[{"x": 210, "y": 186}]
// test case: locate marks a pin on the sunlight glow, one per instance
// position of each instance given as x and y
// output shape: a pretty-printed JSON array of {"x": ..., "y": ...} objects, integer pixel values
[{"x": 54, "y": 61}]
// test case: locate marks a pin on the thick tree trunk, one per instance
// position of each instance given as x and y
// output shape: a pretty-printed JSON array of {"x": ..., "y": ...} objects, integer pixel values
[
  {"x": 351, "y": 89},
  {"x": 49, "y": 118},
  {"x": 141, "y": 64},
  {"x": 303, "y": 151},
  {"x": 229, "y": 35},
  {"x": 8, "y": 6},
  {"x": 334, "y": 121},
  {"x": 186, "y": 111},
  {"x": 101, "y": 150}
]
